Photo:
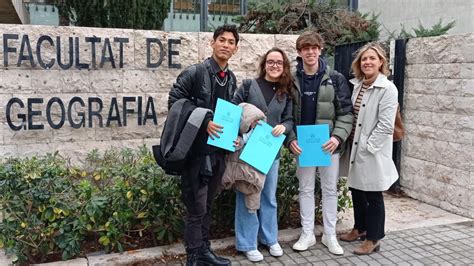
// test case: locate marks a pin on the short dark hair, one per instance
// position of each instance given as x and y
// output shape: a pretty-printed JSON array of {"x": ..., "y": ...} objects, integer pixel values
[{"x": 229, "y": 28}]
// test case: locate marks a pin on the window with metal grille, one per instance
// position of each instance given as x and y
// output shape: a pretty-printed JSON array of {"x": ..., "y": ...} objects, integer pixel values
[
  {"x": 216, "y": 7},
  {"x": 186, "y": 6},
  {"x": 224, "y": 7}
]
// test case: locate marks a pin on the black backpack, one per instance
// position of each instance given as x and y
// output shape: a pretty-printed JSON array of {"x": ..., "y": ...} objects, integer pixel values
[{"x": 172, "y": 167}]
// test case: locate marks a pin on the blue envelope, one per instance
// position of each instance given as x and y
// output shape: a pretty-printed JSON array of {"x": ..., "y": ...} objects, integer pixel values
[
  {"x": 262, "y": 148},
  {"x": 228, "y": 116},
  {"x": 311, "y": 139}
]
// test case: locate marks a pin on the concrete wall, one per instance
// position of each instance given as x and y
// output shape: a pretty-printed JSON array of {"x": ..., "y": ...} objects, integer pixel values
[
  {"x": 135, "y": 80},
  {"x": 21, "y": 11},
  {"x": 437, "y": 154},
  {"x": 395, "y": 13}
]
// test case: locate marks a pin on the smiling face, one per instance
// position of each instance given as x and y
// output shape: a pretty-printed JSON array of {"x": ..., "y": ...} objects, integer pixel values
[
  {"x": 370, "y": 63},
  {"x": 310, "y": 55},
  {"x": 224, "y": 47},
  {"x": 274, "y": 64}
]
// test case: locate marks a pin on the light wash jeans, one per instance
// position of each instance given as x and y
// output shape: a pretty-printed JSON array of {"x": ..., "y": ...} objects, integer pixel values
[
  {"x": 307, "y": 178},
  {"x": 263, "y": 223}
]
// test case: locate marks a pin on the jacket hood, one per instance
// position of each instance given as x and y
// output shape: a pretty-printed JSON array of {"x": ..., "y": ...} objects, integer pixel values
[{"x": 250, "y": 113}]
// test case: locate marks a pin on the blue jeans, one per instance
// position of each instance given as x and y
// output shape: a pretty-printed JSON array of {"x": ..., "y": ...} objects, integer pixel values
[{"x": 263, "y": 223}]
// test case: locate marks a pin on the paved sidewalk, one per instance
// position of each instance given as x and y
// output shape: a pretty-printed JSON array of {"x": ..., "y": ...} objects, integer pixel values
[
  {"x": 443, "y": 245},
  {"x": 416, "y": 233}
]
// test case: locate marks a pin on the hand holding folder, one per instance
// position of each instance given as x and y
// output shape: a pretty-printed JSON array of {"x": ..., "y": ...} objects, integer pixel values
[
  {"x": 227, "y": 115},
  {"x": 311, "y": 139},
  {"x": 262, "y": 148}
]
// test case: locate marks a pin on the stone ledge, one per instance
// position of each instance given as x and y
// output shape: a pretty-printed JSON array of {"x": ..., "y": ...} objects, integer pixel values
[{"x": 74, "y": 262}]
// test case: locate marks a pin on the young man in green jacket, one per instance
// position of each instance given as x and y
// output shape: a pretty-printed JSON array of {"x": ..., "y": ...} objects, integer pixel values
[{"x": 321, "y": 97}]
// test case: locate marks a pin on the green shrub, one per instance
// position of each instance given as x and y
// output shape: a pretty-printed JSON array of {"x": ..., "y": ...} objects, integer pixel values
[
  {"x": 38, "y": 203},
  {"x": 50, "y": 207}
]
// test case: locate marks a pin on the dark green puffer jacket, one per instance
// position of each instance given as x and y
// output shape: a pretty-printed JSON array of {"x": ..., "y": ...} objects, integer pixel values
[{"x": 334, "y": 105}]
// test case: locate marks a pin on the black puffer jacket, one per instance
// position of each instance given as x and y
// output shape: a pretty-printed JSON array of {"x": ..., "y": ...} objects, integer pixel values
[{"x": 183, "y": 86}]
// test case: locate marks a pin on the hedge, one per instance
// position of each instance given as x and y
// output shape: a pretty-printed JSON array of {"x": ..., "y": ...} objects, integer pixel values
[{"x": 50, "y": 206}]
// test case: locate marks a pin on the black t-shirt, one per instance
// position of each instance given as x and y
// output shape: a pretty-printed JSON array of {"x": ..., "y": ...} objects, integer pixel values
[
  {"x": 268, "y": 89},
  {"x": 309, "y": 94},
  {"x": 219, "y": 91}
]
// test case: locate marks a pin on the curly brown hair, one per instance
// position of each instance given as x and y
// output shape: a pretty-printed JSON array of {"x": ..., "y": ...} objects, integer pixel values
[{"x": 285, "y": 83}]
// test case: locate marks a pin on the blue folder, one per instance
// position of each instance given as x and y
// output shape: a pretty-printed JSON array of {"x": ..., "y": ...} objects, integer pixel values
[
  {"x": 262, "y": 148},
  {"x": 228, "y": 116},
  {"x": 311, "y": 139}
]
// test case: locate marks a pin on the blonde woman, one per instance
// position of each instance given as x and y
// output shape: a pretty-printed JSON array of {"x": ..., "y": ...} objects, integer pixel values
[{"x": 371, "y": 169}]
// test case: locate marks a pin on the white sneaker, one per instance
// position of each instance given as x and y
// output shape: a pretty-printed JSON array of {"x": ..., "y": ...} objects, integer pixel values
[
  {"x": 276, "y": 250},
  {"x": 254, "y": 255},
  {"x": 306, "y": 240},
  {"x": 331, "y": 243}
]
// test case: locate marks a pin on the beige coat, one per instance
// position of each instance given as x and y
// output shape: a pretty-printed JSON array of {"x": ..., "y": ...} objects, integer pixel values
[
  {"x": 371, "y": 167},
  {"x": 238, "y": 174}
]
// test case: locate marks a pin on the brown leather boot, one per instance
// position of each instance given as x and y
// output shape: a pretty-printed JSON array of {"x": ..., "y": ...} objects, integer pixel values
[
  {"x": 367, "y": 247},
  {"x": 353, "y": 235}
]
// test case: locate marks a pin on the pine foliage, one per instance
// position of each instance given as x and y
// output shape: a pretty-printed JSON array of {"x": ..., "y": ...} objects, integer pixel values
[
  {"x": 436, "y": 30},
  {"x": 337, "y": 25}
]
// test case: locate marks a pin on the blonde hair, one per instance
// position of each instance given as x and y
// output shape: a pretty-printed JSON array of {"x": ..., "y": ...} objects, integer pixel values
[{"x": 356, "y": 69}]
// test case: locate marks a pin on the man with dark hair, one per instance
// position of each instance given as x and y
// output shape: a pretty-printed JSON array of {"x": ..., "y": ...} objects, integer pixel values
[
  {"x": 321, "y": 97},
  {"x": 205, "y": 166}
]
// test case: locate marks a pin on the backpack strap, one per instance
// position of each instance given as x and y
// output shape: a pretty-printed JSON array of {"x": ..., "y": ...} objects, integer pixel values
[
  {"x": 198, "y": 81},
  {"x": 246, "y": 83}
]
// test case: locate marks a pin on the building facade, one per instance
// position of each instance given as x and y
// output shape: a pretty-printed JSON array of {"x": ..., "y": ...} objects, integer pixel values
[
  {"x": 409, "y": 14},
  {"x": 184, "y": 15}
]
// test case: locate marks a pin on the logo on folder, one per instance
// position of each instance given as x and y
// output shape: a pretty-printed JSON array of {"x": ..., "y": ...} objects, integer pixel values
[
  {"x": 313, "y": 139},
  {"x": 266, "y": 141},
  {"x": 227, "y": 117}
]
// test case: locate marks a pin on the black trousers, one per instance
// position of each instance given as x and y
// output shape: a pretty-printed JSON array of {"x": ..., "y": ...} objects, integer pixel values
[
  {"x": 369, "y": 213},
  {"x": 198, "y": 200}
]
